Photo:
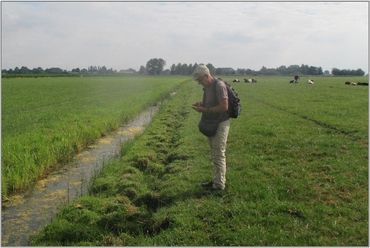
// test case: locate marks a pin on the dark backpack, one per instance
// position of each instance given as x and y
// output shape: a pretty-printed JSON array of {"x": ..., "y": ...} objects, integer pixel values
[{"x": 234, "y": 101}]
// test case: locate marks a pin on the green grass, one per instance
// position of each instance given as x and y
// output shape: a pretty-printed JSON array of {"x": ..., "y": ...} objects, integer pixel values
[
  {"x": 46, "y": 121},
  {"x": 297, "y": 175}
]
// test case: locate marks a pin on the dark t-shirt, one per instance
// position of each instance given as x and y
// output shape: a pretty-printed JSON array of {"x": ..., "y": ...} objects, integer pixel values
[{"x": 212, "y": 96}]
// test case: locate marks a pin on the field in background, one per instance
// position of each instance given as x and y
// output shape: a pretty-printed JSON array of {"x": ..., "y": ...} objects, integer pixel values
[
  {"x": 297, "y": 175},
  {"x": 46, "y": 121}
]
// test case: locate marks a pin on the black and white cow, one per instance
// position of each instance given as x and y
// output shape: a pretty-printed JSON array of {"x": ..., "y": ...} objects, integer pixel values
[
  {"x": 250, "y": 80},
  {"x": 295, "y": 80}
]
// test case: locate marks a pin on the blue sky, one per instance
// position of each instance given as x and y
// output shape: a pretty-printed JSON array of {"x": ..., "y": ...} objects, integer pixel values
[{"x": 125, "y": 35}]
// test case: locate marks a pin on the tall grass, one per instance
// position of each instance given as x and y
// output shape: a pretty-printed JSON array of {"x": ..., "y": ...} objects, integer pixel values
[
  {"x": 295, "y": 176},
  {"x": 45, "y": 121}
]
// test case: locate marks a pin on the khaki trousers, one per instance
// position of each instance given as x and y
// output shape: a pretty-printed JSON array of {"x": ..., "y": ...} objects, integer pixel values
[{"x": 218, "y": 149}]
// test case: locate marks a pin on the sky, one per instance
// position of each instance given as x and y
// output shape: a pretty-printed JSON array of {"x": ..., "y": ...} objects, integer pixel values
[{"x": 122, "y": 35}]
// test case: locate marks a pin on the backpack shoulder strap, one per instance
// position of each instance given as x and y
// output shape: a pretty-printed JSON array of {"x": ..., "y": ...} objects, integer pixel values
[
  {"x": 216, "y": 84},
  {"x": 218, "y": 80}
]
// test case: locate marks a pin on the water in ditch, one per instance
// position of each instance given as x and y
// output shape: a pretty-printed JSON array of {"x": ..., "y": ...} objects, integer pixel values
[{"x": 25, "y": 214}]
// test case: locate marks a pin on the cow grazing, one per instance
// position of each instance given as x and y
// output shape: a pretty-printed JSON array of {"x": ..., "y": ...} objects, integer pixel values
[
  {"x": 363, "y": 83},
  {"x": 250, "y": 80},
  {"x": 310, "y": 81},
  {"x": 236, "y": 80},
  {"x": 351, "y": 83},
  {"x": 295, "y": 80}
]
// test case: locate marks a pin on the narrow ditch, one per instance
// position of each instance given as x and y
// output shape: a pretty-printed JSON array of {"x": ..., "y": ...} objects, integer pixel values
[
  {"x": 25, "y": 214},
  {"x": 157, "y": 160}
]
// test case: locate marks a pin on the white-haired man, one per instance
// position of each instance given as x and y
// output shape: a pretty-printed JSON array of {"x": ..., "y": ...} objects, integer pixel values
[{"x": 214, "y": 107}]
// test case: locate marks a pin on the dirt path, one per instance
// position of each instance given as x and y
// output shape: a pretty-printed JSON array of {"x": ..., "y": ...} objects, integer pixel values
[{"x": 26, "y": 214}]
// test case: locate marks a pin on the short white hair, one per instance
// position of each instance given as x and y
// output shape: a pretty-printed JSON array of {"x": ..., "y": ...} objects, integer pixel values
[{"x": 200, "y": 71}]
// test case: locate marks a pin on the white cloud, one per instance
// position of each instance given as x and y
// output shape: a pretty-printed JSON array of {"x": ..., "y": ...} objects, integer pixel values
[{"x": 236, "y": 34}]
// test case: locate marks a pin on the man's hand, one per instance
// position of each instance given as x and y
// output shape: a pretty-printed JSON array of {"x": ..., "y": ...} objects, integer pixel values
[
  {"x": 198, "y": 107},
  {"x": 221, "y": 107}
]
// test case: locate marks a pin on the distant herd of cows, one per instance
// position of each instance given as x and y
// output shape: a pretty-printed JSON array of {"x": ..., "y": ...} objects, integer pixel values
[
  {"x": 246, "y": 80},
  {"x": 296, "y": 80}
]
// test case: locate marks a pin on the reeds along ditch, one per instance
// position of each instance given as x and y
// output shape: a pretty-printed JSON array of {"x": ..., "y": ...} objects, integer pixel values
[
  {"x": 51, "y": 119},
  {"x": 124, "y": 198}
]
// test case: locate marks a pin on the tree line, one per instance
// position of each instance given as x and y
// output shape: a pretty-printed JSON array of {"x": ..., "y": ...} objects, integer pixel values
[
  {"x": 338, "y": 72},
  {"x": 155, "y": 66},
  {"x": 56, "y": 70}
]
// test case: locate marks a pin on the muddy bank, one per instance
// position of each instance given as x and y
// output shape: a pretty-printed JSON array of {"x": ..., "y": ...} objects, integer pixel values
[{"x": 25, "y": 214}]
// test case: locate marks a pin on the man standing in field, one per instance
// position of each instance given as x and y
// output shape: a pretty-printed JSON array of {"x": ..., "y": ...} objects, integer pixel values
[{"x": 214, "y": 123}]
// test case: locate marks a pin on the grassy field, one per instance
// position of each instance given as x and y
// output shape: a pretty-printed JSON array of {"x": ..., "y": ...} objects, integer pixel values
[
  {"x": 297, "y": 175},
  {"x": 46, "y": 121}
]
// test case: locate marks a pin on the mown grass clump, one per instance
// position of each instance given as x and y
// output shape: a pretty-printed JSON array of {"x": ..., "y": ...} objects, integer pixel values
[{"x": 290, "y": 181}]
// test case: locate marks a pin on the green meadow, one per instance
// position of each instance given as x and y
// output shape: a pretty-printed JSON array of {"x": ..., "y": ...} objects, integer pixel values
[
  {"x": 297, "y": 174},
  {"x": 45, "y": 121}
]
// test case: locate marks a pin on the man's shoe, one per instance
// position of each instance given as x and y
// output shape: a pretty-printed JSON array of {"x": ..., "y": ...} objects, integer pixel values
[
  {"x": 214, "y": 191},
  {"x": 207, "y": 185},
  {"x": 217, "y": 189}
]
